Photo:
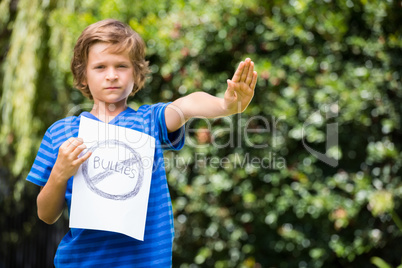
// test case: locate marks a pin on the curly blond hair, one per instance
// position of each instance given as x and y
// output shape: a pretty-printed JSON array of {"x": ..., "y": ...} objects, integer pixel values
[{"x": 121, "y": 38}]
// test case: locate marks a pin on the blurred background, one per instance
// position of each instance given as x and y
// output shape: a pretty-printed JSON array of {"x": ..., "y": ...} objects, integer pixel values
[{"x": 308, "y": 176}]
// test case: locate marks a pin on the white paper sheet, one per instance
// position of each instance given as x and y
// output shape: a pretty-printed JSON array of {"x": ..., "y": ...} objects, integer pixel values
[{"x": 111, "y": 189}]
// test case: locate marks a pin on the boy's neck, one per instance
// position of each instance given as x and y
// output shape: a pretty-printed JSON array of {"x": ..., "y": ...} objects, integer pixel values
[{"x": 107, "y": 111}]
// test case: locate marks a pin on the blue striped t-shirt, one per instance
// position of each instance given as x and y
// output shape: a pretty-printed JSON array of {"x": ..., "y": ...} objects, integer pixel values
[{"x": 90, "y": 248}]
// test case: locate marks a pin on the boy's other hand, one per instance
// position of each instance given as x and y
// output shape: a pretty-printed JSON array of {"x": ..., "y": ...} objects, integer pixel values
[
  {"x": 68, "y": 160},
  {"x": 240, "y": 89}
]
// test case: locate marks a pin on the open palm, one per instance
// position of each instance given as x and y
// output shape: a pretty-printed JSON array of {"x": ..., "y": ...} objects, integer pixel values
[{"x": 240, "y": 89}]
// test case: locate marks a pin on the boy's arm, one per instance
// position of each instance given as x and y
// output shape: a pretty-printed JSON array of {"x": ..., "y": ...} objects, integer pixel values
[
  {"x": 50, "y": 200},
  {"x": 238, "y": 95}
]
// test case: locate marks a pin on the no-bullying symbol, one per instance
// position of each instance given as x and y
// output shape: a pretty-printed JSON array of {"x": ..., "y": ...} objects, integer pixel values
[{"x": 110, "y": 177}]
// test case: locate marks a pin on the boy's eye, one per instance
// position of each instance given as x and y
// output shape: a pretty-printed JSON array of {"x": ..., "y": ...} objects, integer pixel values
[
  {"x": 122, "y": 66},
  {"x": 99, "y": 67}
]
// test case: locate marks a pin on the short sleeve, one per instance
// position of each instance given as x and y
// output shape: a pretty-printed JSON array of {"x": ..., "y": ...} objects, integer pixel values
[
  {"x": 170, "y": 141},
  {"x": 44, "y": 161}
]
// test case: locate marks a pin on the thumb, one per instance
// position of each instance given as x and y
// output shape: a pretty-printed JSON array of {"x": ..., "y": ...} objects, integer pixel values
[{"x": 230, "y": 88}]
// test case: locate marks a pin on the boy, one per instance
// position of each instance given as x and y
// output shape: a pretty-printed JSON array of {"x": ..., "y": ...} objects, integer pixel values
[{"x": 108, "y": 66}]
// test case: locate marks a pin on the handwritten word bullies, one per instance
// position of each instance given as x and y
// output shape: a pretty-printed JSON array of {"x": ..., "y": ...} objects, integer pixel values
[
  {"x": 122, "y": 167},
  {"x": 132, "y": 168}
]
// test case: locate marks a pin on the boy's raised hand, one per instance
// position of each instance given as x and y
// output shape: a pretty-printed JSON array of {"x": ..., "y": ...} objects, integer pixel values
[
  {"x": 240, "y": 89},
  {"x": 68, "y": 160}
]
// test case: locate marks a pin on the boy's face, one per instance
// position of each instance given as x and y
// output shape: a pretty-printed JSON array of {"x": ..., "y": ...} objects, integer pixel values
[{"x": 109, "y": 76}]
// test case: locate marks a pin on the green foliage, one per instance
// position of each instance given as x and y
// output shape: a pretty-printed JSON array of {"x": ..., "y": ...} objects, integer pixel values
[
  {"x": 380, "y": 263},
  {"x": 245, "y": 189}
]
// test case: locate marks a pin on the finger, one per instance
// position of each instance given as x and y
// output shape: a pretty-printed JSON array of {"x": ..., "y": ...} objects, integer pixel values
[
  {"x": 245, "y": 70},
  {"x": 78, "y": 150},
  {"x": 85, "y": 157},
  {"x": 69, "y": 145},
  {"x": 254, "y": 81},
  {"x": 250, "y": 73},
  {"x": 238, "y": 73},
  {"x": 230, "y": 89},
  {"x": 73, "y": 145},
  {"x": 231, "y": 94},
  {"x": 66, "y": 143},
  {"x": 81, "y": 160},
  {"x": 74, "y": 142}
]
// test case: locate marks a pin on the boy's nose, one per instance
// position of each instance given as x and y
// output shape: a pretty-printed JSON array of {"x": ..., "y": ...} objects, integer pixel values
[{"x": 111, "y": 76}]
